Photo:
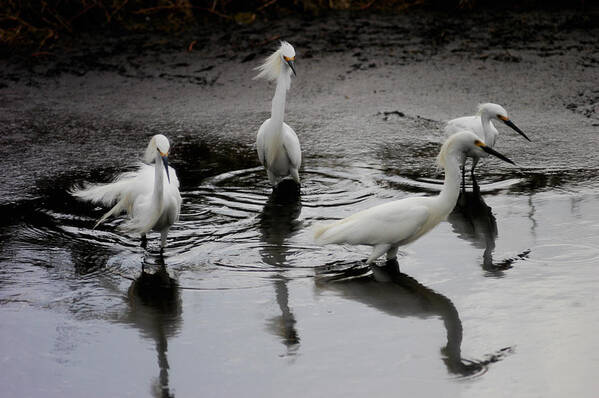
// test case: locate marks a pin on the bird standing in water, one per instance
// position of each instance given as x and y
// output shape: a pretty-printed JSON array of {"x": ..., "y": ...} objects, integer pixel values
[
  {"x": 277, "y": 144},
  {"x": 481, "y": 125},
  {"x": 390, "y": 225},
  {"x": 150, "y": 195}
]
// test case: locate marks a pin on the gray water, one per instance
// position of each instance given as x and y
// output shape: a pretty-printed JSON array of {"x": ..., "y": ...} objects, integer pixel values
[{"x": 499, "y": 300}]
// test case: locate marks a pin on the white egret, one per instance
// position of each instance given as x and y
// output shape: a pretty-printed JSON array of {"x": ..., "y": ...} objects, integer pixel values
[
  {"x": 390, "y": 225},
  {"x": 277, "y": 144},
  {"x": 481, "y": 124},
  {"x": 151, "y": 201}
]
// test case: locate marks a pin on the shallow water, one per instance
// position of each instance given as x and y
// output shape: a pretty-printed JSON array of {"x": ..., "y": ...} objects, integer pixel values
[
  {"x": 244, "y": 303},
  {"x": 498, "y": 300}
]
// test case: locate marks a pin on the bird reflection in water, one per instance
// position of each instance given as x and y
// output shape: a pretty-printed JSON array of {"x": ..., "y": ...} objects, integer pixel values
[
  {"x": 155, "y": 309},
  {"x": 277, "y": 222},
  {"x": 388, "y": 290},
  {"x": 473, "y": 220}
]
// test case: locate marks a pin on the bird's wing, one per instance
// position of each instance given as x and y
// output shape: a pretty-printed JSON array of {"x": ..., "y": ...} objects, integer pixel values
[
  {"x": 260, "y": 144},
  {"x": 389, "y": 223},
  {"x": 292, "y": 146},
  {"x": 122, "y": 185},
  {"x": 122, "y": 192},
  {"x": 470, "y": 123}
]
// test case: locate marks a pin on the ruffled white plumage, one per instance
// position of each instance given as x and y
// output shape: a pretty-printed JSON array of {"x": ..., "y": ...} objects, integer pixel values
[
  {"x": 273, "y": 64},
  {"x": 131, "y": 192},
  {"x": 149, "y": 195}
]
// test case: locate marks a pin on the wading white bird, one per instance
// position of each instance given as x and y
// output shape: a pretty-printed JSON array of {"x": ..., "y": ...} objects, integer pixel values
[
  {"x": 481, "y": 125},
  {"x": 277, "y": 144},
  {"x": 150, "y": 195},
  {"x": 390, "y": 225}
]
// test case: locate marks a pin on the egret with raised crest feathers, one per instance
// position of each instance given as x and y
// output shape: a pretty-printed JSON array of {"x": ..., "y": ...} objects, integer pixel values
[
  {"x": 481, "y": 125},
  {"x": 277, "y": 144},
  {"x": 387, "y": 226},
  {"x": 149, "y": 195}
]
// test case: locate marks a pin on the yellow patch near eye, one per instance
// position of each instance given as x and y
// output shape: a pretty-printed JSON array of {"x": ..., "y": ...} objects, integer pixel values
[
  {"x": 479, "y": 143},
  {"x": 287, "y": 59},
  {"x": 162, "y": 153},
  {"x": 505, "y": 119}
]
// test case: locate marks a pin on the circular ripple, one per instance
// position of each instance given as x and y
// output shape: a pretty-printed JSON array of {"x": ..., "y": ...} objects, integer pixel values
[
  {"x": 566, "y": 253},
  {"x": 236, "y": 221}
]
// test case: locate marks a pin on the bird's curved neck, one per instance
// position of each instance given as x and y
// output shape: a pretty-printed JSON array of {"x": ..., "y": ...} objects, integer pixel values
[
  {"x": 158, "y": 181},
  {"x": 485, "y": 119},
  {"x": 278, "y": 101},
  {"x": 451, "y": 185}
]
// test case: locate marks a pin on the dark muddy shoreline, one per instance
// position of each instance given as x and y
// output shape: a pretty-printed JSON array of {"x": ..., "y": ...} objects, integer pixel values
[{"x": 390, "y": 39}]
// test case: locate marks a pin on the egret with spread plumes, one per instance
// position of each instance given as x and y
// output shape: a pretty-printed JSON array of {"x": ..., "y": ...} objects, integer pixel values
[
  {"x": 149, "y": 195},
  {"x": 481, "y": 124},
  {"x": 277, "y": 144},
  {"x": 387, "y": 226}
]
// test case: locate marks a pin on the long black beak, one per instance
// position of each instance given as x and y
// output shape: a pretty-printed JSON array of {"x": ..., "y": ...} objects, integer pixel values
[
  {"x": 165, "y": 163},
  {"x": 497, "y": 154},
  {"x": 291, "y": 64},
  {"x": 513, "y": 126}
]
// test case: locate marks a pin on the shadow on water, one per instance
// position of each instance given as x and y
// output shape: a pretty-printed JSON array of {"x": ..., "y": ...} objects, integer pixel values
[
  {"x": 277, "y": 222},
  {"x": 155, "y": 308},
  {"x": 388, "y": 290},
  {"x": 473, "y": 220}
]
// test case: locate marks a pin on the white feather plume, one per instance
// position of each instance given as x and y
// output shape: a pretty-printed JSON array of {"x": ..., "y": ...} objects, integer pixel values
[{"x": 271, "y": 68}]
